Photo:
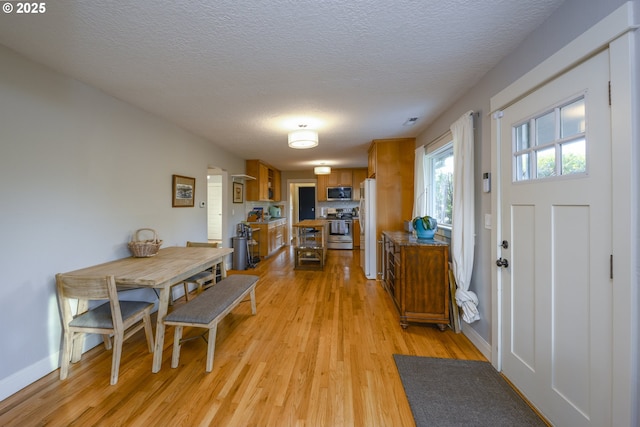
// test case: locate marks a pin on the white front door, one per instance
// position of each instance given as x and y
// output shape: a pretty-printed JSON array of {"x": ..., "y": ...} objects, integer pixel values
[{"x": 555, "y": 167}]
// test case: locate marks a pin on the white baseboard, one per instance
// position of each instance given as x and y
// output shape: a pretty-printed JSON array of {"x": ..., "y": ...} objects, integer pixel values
[
  {"x": 475, "y": 338},
  {"x": 32, "y": 373},
  {"x": 19, "y": 380}
]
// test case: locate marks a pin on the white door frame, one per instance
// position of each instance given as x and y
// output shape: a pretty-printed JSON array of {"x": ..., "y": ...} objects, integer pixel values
[
  {"x": 617, "y": 33},
  {"x": 292, "y": 201}
]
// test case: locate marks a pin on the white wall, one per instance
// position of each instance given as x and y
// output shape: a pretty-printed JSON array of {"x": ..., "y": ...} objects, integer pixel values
[
  {"x": 570, "y": 20},
  {"x": 79, "y": 173}
]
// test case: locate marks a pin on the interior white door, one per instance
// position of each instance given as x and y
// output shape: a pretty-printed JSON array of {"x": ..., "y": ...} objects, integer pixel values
[
  {"x": 214, "y": 212},
  {"x": 556, "y": 290}
]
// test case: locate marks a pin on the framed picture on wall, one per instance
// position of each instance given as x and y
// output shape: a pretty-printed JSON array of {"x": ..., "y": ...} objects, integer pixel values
[
  {"x": 238, "y": 192},
  {"x": 183, "y": 191}
]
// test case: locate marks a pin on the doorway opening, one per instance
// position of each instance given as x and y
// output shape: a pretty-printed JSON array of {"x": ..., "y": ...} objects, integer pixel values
[
  {"x": 215, "y": 211},
  {"x": 301, "y": 209},
  {"x": 306, "y": 202}
]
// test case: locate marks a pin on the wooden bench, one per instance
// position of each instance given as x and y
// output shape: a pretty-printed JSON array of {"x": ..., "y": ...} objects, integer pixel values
[{"x": 208, "y": 309}]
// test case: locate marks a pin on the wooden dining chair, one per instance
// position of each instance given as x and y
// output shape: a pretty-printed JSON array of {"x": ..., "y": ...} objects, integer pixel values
[
  {"x": 120, "y": 319},
  {"x": 204, "y": 279}
]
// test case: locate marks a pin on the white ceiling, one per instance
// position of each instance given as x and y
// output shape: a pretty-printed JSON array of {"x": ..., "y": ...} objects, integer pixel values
[{"x": 244, "y": 73}]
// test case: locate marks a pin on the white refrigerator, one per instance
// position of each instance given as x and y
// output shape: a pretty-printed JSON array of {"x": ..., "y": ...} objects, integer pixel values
[{"x": 368, "y": 244}]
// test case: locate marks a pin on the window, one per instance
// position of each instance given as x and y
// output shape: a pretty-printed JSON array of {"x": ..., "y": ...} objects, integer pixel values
[
  {"x": 440, "y": 182},
  {"x": 551, "y": 144}
]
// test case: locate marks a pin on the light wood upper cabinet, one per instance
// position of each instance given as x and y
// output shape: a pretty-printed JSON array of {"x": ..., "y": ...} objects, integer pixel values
[
  {"x": 275, "y": 186},
  {"x": 340, "y": 178},
  {"x": 323, "y": 183},
  {"x": 359, "y": 175},
  {"x": 266, "y": 186},
  {"x": 393, "y": 168},
  {"x": 372, "y": 160}
]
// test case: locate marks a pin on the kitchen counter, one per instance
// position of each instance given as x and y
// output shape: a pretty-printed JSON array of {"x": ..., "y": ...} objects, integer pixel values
[
  {"x": 311, "y": 223},
  {"x": 272, "y": 236},
  {"x": 272, "y": 219},
  {"x": 402, "y": 238}
]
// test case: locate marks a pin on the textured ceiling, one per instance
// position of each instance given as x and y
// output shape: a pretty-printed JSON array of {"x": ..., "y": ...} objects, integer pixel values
[{"x": 242, "y": 74}]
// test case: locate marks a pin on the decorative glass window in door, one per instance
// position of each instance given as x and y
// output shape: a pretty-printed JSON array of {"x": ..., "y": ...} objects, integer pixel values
[{"x": 551, "y": 144}]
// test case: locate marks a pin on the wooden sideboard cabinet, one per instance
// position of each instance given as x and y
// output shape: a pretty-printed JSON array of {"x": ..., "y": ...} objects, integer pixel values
[{"x": 416, "y": 275}]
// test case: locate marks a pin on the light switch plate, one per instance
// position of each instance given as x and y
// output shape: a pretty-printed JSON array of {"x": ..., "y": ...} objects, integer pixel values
[{"x": 487, "y": 221}]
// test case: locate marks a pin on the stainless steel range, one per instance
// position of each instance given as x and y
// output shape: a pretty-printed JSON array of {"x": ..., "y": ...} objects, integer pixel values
[{"x": 340, "y": 231}]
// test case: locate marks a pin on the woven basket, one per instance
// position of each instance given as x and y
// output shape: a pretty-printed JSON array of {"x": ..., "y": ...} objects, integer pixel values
[{"x": 144, "y": 248}]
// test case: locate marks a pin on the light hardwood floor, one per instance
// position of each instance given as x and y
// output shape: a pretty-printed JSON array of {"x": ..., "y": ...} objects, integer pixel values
[{"x": 318, "y": 353}]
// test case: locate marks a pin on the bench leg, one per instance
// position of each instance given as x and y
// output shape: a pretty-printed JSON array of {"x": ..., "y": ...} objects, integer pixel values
[
  {"x": 177, "y": 336},
  {"x": 211, "y": 346},
  {"x": 253, "y": 301}
]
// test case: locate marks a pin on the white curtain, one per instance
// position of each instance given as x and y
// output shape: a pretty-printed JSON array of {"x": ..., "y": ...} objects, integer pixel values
[
  {"x": 419, "y": 184},
  {"x": 463, "y": 230}
]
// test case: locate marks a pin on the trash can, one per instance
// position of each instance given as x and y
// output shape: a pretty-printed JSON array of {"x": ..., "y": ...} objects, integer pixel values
[{"x": 239, "y": 253}]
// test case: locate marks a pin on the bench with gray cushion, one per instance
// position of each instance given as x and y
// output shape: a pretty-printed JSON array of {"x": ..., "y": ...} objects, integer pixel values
[{"x": 208, "y": 309}]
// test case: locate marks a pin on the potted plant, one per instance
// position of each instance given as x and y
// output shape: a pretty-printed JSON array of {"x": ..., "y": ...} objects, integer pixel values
[{"x": 425, "y": 226}]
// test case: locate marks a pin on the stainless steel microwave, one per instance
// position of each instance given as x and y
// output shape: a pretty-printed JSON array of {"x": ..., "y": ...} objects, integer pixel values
[{"x": 339, "y": 193}]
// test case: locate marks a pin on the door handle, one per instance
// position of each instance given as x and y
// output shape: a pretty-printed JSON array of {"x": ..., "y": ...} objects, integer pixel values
[{"x": 501, "y": 262}]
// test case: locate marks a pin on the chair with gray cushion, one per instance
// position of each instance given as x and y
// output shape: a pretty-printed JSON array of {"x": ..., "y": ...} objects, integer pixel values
[
  {"x": 120, "y": 319},
  {"x": 204, "y": 279}
]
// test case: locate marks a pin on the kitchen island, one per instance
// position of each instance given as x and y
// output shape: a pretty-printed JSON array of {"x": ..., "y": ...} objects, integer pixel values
[
  {"x": 416, "y": 276},
  {"x": 310, "y": 251}
]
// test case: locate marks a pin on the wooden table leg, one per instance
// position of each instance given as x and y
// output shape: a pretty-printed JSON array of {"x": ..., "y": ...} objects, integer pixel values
[{"x": 163, "y": 307}]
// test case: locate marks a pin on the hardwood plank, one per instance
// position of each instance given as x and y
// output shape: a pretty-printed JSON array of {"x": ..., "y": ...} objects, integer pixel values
[{"x": 318, "y": 352}]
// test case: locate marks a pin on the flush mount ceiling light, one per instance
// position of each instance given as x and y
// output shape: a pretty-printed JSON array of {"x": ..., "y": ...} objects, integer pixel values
[
  {"x": 303, "y": 138},
  {"x": 322, "y": 170}
]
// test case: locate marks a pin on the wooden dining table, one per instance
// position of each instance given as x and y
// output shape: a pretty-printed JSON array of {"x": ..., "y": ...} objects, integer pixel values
[{"x": 168, "y": 267}]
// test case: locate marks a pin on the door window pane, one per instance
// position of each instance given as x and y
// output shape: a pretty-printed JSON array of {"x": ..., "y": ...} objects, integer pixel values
[
  {"x": 572, "y": 119},
  {"x": 522, "y": 137},
  {"x": 558, "y": 143},
  {"x": 574, "y": 157},
  {"x": 546, "y": 162},
  {"x": 545, "y": 128},
  {"x": 522, "y": 167}
]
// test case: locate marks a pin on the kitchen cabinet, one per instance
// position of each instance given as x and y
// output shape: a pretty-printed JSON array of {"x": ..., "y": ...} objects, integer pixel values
[
  {"x": 273, "y": 235},
  {"x": 416, "y": 276},
  {"x": 393, "y": 166},
  {"x": 359, "y": 175},
  {"x": 356, "y": 233},
  {"x": 266, "y": 186},
  {"x": 341, "y": 178},
  {"x": 371, "y": 170},
  {"x": 276, "y": 185},
  {"x": 323, "y": 183}
]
